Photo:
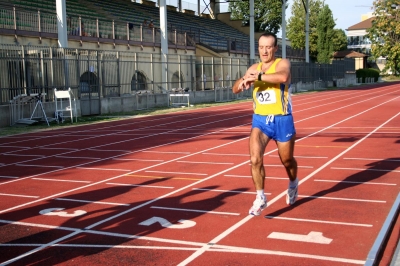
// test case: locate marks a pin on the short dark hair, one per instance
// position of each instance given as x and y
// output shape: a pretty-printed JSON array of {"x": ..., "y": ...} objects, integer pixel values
[{"x": 270, "y": 34}]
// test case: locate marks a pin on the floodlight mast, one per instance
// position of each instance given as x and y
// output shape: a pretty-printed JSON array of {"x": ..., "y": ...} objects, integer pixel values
[
  {"x": 284, "y": 28},
  {"x": 306, "y": 8},
  {"x": 252, "y": 42}
]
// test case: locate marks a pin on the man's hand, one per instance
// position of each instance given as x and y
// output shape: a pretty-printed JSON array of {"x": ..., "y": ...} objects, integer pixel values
[{"x": 248, "y": 80}]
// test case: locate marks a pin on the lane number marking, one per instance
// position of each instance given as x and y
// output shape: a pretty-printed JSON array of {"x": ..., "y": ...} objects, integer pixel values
[
  {"x": 59, "y": 212},
  {"x": 165, "y": 223},
  {"x": 312, "y": 237}
]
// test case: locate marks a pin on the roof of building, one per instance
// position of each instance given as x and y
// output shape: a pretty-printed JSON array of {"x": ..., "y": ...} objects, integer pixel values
[
  {"x": 363, "y": 25},
  {"x": 348, "y": 54}
]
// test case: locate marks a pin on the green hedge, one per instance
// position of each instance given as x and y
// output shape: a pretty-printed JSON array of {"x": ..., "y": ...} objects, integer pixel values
[{"x": 367, "y": 73}]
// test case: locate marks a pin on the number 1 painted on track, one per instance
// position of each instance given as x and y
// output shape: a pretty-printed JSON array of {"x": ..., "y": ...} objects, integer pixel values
[{"x": 312, "y": 237}]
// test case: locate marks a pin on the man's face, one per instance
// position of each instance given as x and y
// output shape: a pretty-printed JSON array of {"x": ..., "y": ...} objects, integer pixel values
[{"x": 266, "y": 48}]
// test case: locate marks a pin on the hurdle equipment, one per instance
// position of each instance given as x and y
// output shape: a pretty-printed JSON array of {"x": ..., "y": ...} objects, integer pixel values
[{"x": 179, "y": 99}]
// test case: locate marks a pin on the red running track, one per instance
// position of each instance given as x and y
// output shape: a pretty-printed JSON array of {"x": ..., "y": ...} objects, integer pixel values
[{"x": 175, "y": 189}]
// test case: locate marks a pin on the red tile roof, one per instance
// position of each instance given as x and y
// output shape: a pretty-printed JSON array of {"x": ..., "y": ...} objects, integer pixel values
[
  {"x": 363, "y": 25},
  {"x": 348, "y": 54}
]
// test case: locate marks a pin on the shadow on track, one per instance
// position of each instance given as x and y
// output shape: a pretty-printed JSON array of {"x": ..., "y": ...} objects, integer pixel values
[
  {"x": 351, "y": 181},
  {"x": 122, "y": 229}
]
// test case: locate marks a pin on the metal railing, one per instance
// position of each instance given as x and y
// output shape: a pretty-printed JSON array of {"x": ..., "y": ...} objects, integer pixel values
[{"x": 39, "y": 69}]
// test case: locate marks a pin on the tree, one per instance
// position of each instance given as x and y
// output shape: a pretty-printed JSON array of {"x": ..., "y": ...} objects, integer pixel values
[
  {"x": 339, "y": 40},
  {"x": 297, "y": 26},
  {"x": 385, "y": 34},
  {"x": 267, "y": 14},
  {"x": 325, "y": 35}
]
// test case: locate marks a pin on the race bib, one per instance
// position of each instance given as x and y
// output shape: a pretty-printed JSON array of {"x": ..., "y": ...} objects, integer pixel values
[{"x": 266, "y": 97}]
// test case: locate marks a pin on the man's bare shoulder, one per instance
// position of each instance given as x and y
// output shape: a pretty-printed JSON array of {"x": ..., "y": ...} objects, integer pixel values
[
  {"x": 253, "y": 67},
  {"x": 284, "y": 61}
]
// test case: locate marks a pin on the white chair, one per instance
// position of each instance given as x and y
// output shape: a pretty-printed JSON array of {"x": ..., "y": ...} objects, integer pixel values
[{"x": 63, "y": 100}]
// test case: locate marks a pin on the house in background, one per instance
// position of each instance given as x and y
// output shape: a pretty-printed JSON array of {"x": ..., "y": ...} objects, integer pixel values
[
  {"x": 356, "y": 35},
  {"x": 360, "y": 59}
]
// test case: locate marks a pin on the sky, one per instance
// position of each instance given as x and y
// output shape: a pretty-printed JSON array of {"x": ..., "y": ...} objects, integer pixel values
[{"x": 345, "y": 12}]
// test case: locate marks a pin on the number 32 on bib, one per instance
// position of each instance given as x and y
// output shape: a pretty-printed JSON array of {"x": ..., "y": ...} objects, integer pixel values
[{"x": 266, "y": 97}]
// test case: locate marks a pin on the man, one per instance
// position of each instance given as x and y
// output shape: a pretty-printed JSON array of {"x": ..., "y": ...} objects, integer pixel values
[{"x": 272, "y": 118}]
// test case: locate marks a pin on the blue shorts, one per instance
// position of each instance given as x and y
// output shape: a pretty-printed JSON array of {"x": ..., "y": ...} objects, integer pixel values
[{"x": 278, "y": 127}]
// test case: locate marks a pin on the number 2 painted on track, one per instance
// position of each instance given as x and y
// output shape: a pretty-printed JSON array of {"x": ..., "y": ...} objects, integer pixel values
[
  {"x": 58, "y": 212},
  {"x": 165, "y": 223}
]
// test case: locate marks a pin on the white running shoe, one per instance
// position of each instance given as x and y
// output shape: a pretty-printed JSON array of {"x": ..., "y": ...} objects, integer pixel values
[
  {"x": 258, "y": 205},
  {"x": 291, "y": 195}
]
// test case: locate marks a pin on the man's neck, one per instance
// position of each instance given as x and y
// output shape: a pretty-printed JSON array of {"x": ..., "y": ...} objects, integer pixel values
[{"x": 266, "y": 65}]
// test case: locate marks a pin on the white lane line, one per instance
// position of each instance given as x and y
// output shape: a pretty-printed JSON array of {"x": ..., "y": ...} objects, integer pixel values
[
  {"x": 249, "y": 176},
  {"x": 36, "y": 165},
  {"x": 223, "y": 248},
  {"x": 365, "y": 169},
  {"x": 192, "y": 210},
  {"x": 280, "y": 165},
  {"x": 202, "y": 162},
  {"x": 308, "y": 157},
  {"x": 103, "y": 169},
  {"x": 173, "y": 152},
  {"x": 19, "y": 148},
  {"x": 371, "y": 159},
  {"x": 94, "y": 149},
  {"x": 168, "y": 194},
  {"x": 132, "y": 185},
  {"x": 60, "y": 180},
  {"x": 25, "y": 155},
  {"x": 214, "y": 248},
  {"x": 49, "y": 148},
  {"x": 180, "y": 173},
  {"x": 162, "y": 145},
  {"x": 345, "y": 199},
  {"x": 317, "y": 221},
  {"x": 354, "y": 182},
  {"x": 94, "y": 202},
  {"x": 103, "y": 233},
  {"x": 76, "y": 157},
  {"x": 228, "y": 191},
  {"x": 123, "y": 247},
  {"x": 225, "y": 154},
  {"x": 16, "y": 195},
  {"x": 247, "y": 218},
  {"x": 140, "y": 160},
  {"x": 6, "y": 176}
]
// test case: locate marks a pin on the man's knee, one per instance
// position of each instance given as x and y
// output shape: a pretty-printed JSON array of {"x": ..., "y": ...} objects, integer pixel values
[
  {"x": 289, "y": 162},
  {"x": 256, "y": 160}
]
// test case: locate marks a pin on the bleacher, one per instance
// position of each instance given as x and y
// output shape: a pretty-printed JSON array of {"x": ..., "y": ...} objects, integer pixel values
[{"x": 211, "y": 33}]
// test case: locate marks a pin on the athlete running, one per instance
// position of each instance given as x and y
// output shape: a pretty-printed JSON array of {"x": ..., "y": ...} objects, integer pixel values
[{"x": 272, "y": 118}]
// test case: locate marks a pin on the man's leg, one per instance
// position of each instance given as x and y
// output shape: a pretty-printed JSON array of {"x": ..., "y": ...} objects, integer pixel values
[
  {"x": 258, "y": 142},
  {"x": 286, "y": 150}
]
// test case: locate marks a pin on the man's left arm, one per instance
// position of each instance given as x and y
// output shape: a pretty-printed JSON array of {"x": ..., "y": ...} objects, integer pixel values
[{"x": 281, "y": 75}]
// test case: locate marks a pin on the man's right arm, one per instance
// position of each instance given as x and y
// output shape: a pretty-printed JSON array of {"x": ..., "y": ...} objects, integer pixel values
[{"x": 245, "y": 82}]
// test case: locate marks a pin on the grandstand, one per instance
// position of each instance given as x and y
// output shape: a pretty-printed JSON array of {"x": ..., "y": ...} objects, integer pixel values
[{"x": 111, "y": 55}]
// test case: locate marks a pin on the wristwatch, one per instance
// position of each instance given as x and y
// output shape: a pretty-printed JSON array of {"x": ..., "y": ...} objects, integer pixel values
[{"x": 259, "y": 75}]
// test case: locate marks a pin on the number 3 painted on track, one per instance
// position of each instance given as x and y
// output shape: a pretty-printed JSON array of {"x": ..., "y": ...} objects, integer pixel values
[{"x": 57, "y": 212}]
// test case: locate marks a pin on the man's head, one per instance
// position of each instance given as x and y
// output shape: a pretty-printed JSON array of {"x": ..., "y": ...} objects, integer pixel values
[{"x": 267, "y": 47}]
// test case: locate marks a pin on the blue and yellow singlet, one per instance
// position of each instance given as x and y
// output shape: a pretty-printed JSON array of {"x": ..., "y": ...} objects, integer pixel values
[{"x": 271, "y": 98}]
